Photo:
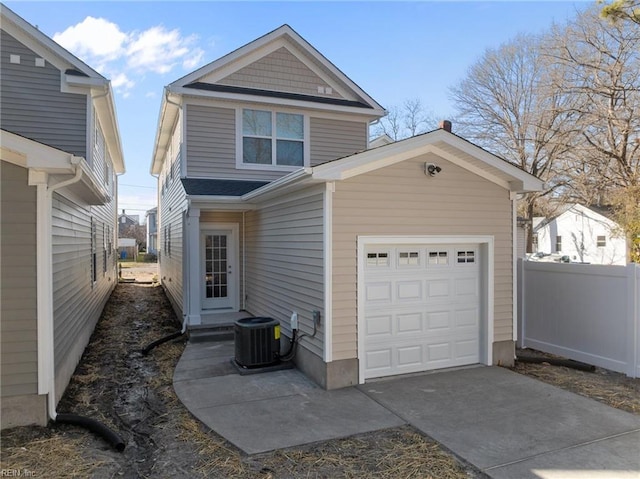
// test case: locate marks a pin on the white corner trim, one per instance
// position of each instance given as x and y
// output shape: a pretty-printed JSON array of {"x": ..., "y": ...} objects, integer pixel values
[
  {"x": 328, "y": 270},
  {"x": 44, "y": 287},
  {"x": 486, "y": 241},
  {"x": 514, "y": 267}
]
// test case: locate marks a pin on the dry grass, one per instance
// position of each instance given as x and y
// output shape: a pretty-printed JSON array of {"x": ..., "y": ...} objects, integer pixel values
[
  {"x": 611, "y": 388},
  {"x": 394, "y": 453},
  {"x": 54, "y": 456}
]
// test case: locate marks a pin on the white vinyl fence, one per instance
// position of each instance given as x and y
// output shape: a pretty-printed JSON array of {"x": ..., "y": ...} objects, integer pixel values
[{"x": 588, "y": 313}]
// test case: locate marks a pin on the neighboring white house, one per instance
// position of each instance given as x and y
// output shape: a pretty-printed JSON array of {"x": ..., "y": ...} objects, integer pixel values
[{"x": 582, "y": 234}]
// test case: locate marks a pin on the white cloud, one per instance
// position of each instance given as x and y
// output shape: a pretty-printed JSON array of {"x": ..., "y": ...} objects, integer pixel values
[
  {"x": 94, "y": 40},
  {"x": 159, "y": 50},
  {"x": 120, "y": 55}
]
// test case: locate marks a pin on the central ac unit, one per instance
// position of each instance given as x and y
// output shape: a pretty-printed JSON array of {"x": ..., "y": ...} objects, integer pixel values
[{"x": 257, "y": 342}]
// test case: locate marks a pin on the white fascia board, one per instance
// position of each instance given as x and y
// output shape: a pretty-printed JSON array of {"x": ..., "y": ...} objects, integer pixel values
[
  {"x": 226, "y": 203},
  {"x": 34, "y": 154},
  {"x": 106, "y": 109},
  {"x": 287, "y": 180},
  {"x": 169, "y": 111},
  {"x": 528, "y": 181},
  {"x": 240, "y": 97}
]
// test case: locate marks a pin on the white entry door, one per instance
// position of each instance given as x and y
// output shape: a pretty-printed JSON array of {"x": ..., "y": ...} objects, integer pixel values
[
  {"x": 422, "y": 307},
  {"x": 219, "y": 268}
]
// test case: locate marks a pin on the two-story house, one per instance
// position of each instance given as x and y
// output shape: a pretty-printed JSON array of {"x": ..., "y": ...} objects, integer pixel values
[
  {"x": 60, "y": 153},
  {"x": 394, "y": 259}
]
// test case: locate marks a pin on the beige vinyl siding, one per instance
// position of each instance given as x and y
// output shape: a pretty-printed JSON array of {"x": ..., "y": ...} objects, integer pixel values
[
  {"x": 332, "y": 139},
  {"x": 18, "y": 300},
  {"x": 77, "y": 300},
  {"x": 32, "y": 105},
  {"x": 402, "y": 200},
  {"x": 279, "y": 71},
  {"x": 171, "y": 210},
  {"x": 284, "y": 254}
]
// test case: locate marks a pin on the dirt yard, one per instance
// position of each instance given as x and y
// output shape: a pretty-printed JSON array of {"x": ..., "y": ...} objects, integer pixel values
[{"x": 133, "y": 395}]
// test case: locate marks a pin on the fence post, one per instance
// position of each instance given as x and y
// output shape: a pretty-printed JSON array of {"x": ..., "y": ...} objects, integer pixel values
[
  {"x": 633, "y": 328},
  {"x": 521, "y": 306}
]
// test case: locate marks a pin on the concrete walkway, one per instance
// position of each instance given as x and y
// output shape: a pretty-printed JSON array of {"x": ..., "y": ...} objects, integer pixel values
[{"x": 506, "y": 424}]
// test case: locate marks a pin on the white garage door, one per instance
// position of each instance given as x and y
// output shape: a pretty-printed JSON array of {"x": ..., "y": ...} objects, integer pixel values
[{"x": 421, "y": 307}]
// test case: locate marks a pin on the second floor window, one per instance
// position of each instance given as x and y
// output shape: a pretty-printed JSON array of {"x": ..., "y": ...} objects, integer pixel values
[
  {"x": 272, "y": 138},
  {"x": 601, "y": 241},
  {"x": 558, "y": 243}
]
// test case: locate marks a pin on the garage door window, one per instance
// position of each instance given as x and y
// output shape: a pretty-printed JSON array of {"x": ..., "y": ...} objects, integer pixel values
[
  {"x": 438, "y": 258},
  {"x": 409, "y": 258},
  {"x": 466, "y": 257},
  {"x": 377, "y": 259}
]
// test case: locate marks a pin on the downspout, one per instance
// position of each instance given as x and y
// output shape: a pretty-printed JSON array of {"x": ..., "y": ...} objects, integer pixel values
[
  {"x": 244, "y": 266},
  {"x": 44, "y": 243}
]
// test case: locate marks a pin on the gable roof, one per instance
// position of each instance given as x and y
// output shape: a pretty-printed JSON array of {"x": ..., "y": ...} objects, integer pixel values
[
  {"x": 599, "y": 214},
  {"x": 286, "y": 37},
  {"x": 442, "y": 143},
  {"x": 75, "y": 73},
  {"x": 208, "y": 82}
]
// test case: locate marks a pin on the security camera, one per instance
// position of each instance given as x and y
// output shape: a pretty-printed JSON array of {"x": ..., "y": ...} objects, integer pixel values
[{"x": 433, "y": 169}]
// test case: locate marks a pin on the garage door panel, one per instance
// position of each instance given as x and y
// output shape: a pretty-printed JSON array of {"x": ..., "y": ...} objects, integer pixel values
[
  {"x": 378, "y": 360},
  {"x": 467, "y": 349},
  {"x": 409, "y": 323},
  {"x": 409, "y": 356},
  {"x": 379, "y": 293},
  {"x": 409, "y": 291},
  {"x": 438, "y": 352},
  {"x": 467, "y": 318},
  {"x": 379, "y": 325},
  {"x": 438, "y": 320},
  {"x": 438, "y": 288},
  {"x": 467, "y": 286}
]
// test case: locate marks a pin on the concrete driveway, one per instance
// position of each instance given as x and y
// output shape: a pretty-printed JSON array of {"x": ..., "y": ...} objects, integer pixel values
[{"x": 505, "y": 424}]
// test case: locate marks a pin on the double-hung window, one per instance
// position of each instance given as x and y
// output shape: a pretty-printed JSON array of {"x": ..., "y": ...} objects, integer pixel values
[{"x": 272, "y": 138}]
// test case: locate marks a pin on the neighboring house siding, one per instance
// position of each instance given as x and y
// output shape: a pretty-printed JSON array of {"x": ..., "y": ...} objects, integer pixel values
[
  {"x": 284, "y": 254},
  {"x": 32, "y": 105},
  {"x": 279, "y": 71},
  {"x": 332, "y": 139},
  {"x": 401, "y": 200},
  {"x": 78, "y": 301},
  {"x": 171, "y": 223},
  {"x": 18, "y": 301}
]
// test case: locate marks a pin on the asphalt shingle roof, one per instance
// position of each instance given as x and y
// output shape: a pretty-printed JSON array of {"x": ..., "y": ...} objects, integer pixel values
[{"x": 206, "y": 187}]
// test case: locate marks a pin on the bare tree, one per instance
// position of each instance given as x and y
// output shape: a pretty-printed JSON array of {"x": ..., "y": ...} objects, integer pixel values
[
  {"x": 410, "y": 119},
  {"x": 507, "y": 105},
  {"x": 601, "y": 64}
]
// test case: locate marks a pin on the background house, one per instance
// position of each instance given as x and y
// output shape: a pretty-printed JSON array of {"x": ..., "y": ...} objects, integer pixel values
[
  {"x": 60, "y": 153},
  {"x": 388, "y": 260},
  {"x": 581, "y": 233},
  {"x": 152, "y": 231}
]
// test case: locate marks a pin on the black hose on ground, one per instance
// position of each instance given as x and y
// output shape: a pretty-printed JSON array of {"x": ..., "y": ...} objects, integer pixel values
[
  {"x": 94, "y": 426},
  {"x": 158, "y": 342},
  {"x": 569, "y": 363}
]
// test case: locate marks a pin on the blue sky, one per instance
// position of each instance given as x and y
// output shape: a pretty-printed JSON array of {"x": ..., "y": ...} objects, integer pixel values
[{"x": 393, "y": 50}]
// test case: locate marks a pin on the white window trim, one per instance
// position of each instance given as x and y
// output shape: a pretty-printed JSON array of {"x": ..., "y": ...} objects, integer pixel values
[{"x": 306, "y": 149}]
